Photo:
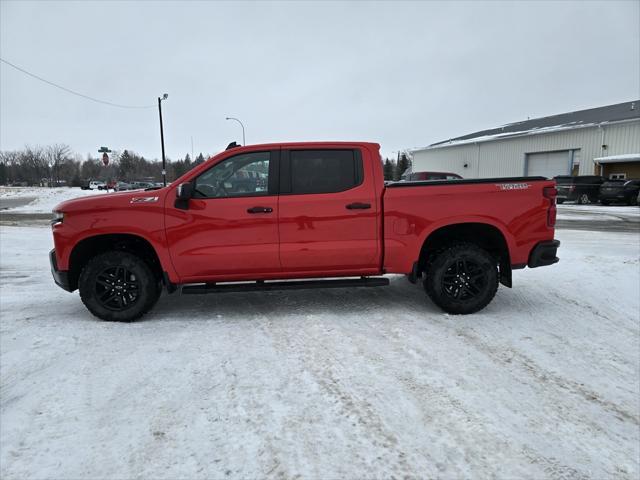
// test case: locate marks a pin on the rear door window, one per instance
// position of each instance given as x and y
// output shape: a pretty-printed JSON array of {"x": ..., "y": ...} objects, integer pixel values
[{"x": 322, "y": 171}]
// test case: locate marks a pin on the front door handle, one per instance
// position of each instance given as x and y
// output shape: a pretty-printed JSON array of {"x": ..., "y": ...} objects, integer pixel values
[
  {"x": 260, "y": 210},
  {"x": 358, "y": 206}
]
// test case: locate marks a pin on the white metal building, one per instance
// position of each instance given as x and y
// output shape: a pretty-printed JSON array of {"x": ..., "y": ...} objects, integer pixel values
[{"x": 602, "y": 141}]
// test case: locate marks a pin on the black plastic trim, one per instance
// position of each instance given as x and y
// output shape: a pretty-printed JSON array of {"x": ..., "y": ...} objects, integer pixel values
[
  {"x": 171, "y": 287},
  {"x": 544, "y": 253},
  {"x": 291, "y": 285},
  {"x": 61, "y": 277},
  {"x": 464, "y": 181},
  {"x": 273, "y": 187}
]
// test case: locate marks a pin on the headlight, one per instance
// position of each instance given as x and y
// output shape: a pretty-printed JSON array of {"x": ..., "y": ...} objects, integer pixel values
[{"x": 58, "y": 217}]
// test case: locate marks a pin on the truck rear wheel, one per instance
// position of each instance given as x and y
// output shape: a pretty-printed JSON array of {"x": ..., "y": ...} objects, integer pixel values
[
  {"x": 462, "y": 279},
  {"x": 118, "y": 286}
]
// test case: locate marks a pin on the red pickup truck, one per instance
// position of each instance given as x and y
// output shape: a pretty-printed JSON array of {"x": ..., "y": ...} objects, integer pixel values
[{"x": 301, "y": 215}]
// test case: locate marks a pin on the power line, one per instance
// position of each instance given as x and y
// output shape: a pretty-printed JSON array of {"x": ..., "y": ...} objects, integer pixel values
[{"x": 72, "y": 91}]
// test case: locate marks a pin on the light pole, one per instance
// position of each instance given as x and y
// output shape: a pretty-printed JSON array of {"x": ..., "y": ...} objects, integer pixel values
[
  {"x": 232, "y": 118},
  {"x": 164, "y": 162}
]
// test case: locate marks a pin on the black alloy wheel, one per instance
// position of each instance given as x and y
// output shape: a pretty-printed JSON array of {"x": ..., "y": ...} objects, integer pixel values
[
  {"x": 117, "y": 288},
  {"x": 463, "y": 279}
]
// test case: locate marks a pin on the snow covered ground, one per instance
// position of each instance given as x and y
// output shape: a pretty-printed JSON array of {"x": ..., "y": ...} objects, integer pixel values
[
  {"x": 42, "y": 199},
  {"x": 365, "y": 383},
  {"x": 598, "y": 212}
]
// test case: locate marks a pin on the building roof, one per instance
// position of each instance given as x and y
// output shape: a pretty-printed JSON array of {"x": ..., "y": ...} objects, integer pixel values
[{"x": 581, "y": 118}]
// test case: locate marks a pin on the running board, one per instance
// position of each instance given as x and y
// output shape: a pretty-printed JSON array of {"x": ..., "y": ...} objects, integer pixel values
[{"x": 293, "y": 285}]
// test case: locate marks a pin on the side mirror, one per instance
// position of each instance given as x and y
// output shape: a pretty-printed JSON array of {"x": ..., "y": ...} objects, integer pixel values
[{"x": 183, "y": 193}]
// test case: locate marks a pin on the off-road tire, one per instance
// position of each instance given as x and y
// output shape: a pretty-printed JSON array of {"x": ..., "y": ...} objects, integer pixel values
[
  {"x": 147, "y": 291},
  {"x": 443, "y": 262}
]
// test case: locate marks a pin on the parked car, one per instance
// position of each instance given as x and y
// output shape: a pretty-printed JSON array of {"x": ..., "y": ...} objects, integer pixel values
[
  {"x": 97, "y": 185},
  {"x": 418, "y": 176},
  {"x": 120, "y": 186},
  {"x": 620, "y": 191},
  {"x": 581, "y": 189},
  {"x": 138, "y": 185},
  {"x": 322, "y": 215}
]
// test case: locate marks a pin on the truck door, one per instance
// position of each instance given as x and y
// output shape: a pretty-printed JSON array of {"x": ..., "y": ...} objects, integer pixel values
[
  {"x": 327, "y": 212},
  {"x": 230, "y": 229}
]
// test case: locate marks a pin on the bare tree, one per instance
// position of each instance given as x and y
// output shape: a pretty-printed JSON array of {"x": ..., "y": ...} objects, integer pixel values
[{"x": 57, "y": 155}]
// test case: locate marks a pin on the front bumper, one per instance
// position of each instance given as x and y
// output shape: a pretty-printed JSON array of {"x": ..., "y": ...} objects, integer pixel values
[
  {"x": 544, "y": 253},
  {"x": 59, "y": 276}
]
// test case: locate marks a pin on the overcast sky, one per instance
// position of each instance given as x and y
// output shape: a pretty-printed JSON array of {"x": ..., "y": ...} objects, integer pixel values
[{"x": 401, "y": 74}]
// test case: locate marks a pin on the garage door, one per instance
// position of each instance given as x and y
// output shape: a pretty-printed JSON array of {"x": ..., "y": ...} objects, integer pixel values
[{"x": 548, "y": 164}]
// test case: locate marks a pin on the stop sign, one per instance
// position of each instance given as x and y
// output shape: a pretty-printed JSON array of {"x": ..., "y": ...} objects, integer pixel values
[{"x": 105, "y": 159}]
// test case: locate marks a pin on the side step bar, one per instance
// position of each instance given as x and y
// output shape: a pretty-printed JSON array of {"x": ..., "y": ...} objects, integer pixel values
[{"x": 292, "y": 285}]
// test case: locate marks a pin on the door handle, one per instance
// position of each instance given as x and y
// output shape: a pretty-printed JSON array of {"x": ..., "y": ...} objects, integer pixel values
[
  {"x": 358, "y": 206},
  {"x": 260, "y": 210}
]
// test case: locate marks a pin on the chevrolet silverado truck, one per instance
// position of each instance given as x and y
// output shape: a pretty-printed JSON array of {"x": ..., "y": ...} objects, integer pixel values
[{"x": 321, "y": 217}]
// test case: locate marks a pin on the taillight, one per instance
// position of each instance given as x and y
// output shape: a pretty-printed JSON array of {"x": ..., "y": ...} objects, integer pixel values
[{"x": 551, "y": 193}]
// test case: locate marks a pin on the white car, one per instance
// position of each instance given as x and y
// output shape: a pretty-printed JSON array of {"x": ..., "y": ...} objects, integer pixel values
[{"x": 97, "y": 185}]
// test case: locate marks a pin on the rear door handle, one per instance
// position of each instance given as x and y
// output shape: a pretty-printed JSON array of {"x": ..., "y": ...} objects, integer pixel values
[
  {"x": 358, "y": 206},
  {"x": 260, "y": 210}
]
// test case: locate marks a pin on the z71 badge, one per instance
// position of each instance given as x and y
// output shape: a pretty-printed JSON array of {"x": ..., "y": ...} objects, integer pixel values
[
  {"x": 144, "y": 199},
  {"x": 513, "y": 186}
]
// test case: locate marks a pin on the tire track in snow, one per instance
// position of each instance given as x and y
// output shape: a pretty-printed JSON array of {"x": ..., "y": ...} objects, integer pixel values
[{"x": 321, "y": 364}]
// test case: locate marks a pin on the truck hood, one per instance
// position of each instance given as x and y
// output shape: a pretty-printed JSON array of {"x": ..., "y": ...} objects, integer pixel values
[{"x": 112, "y": 200}]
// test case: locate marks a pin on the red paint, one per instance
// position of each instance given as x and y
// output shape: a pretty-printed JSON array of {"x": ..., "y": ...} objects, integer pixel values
[{"x": 312, "y": 235}]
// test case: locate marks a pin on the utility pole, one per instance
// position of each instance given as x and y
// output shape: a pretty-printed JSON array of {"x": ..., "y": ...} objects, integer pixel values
[{"x": 164, "y": 162}]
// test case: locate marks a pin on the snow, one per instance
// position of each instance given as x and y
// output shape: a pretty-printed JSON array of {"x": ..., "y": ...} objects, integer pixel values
[
  {"x": 44, "y": 199},
  {"x": 598, "y": 212},
  {"x": 365, "y": 383},
  {"x": 629, "y": 157}
]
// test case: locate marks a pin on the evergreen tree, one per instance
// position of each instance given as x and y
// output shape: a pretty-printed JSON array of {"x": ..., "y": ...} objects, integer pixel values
[
  {"x": 388, "y": 169},
  {"x": 402, "y": 166},
  {"x": 3, "y": 174},
  {"x": 126, "y": 165},
  {"x": 199, "y": 159}
]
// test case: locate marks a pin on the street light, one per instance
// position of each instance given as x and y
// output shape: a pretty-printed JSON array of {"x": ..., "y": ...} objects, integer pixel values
[
  {"x": 164, "y": 162},
  {"x": 232, "y": 118}
]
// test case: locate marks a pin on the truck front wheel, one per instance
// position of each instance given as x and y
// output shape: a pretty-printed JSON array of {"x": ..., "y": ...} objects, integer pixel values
[
  {"x": 118, "y": 286},
  {"x": 462, "y": 278}
]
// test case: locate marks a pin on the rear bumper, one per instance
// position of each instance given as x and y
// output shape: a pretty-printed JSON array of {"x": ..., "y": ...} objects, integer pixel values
[
  {"x": 544, "y": 253},
  {"x": 613, "y": 196},
  {"x": 60, "y": 277}
]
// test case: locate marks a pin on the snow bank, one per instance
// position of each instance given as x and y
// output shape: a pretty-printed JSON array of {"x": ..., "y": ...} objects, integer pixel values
[
  {"x": 44, "y": 199},
  {"x": 598, "y": 212},
  {"x": 358, "y": 383}
]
